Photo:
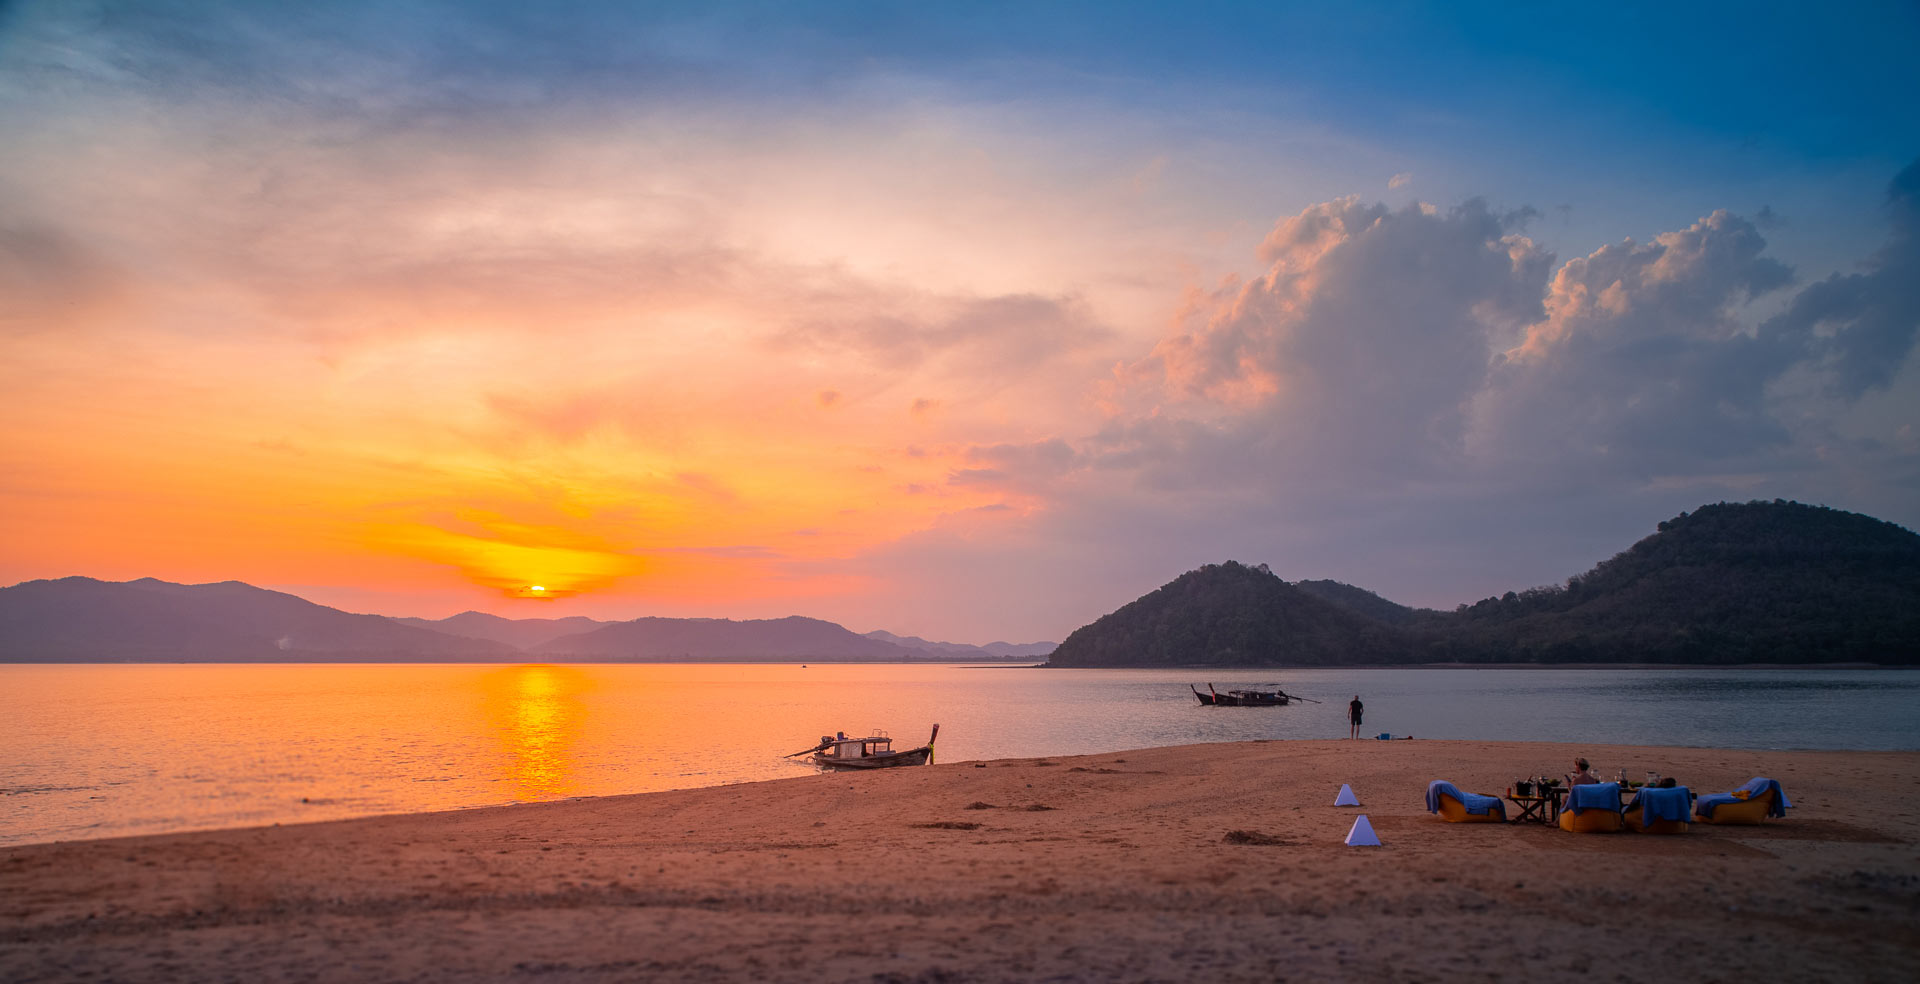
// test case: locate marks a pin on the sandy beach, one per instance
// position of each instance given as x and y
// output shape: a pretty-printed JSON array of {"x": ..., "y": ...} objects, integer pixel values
[{"x": 1196, "y": 863}]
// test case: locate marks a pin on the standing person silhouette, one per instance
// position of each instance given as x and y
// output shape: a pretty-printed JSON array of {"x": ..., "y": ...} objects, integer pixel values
[{"x": 1353, "y": 716}]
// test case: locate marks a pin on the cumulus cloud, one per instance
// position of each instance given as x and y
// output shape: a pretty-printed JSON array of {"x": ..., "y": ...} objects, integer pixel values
[
  {"x": 1358, "y": 349},
  {"x": 1416, "y": 348},
  {"x": 1861, "y": 325},
  {"x": 1643, "y": 361},
  {"x": 1401, "y": 180}
]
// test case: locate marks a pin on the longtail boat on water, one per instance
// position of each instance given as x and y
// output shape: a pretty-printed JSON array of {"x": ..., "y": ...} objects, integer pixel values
[
  {"x": 1242, "y": 698},
  {"x": 872, "y": 752}
]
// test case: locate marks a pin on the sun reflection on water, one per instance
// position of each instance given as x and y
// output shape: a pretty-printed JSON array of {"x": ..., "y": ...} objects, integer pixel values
[{"x": 539, "y": 713}]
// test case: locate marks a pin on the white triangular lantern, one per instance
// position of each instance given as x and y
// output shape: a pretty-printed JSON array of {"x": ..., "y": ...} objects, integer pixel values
[
  {"x": 1346, "y": 797},
  {"x": 1362, "y": 834}
]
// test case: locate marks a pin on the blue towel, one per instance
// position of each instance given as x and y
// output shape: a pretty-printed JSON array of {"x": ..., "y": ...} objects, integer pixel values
[
  {"x": 1754, "y": 788},
  {"x": 1474, "y": 802},
  {"x": 1594, "y": 796},
  {"x": 1654, "y": 803}
]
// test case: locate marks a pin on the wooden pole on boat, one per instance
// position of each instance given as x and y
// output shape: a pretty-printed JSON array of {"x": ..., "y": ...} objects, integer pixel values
[
  {"x": 815, "y": 748},
  {"x": 1310, "y": 700},
  {"x": 930, "y": 738}
]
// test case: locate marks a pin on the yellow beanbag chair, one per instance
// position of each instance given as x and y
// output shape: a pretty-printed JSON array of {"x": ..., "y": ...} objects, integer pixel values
[
  {"x": 1632, "y": 820},
  {"x": 1590, "y": 821},
  {"x": 1454, "y": 811},
  {"x": 1746, "y": 812}
]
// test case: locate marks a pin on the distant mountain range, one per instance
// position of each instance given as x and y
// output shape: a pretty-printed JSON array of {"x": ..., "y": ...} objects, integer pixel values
[
  {"x": 1000, "y": 650},
  {"x": 1758, "y": 582},
  {"x": 519, "y": 633},
  {"x": 79, "y": 619}
]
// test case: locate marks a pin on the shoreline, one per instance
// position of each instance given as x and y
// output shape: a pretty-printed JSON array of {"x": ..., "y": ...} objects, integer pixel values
[
  {"x": 1650, "y": 750},
  {"x": 1113, "y": 866},
  {"x": 534, "y": 804}
]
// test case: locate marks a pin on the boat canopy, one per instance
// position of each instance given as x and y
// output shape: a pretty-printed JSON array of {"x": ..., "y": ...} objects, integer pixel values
[{"x": 848, "y": 748}]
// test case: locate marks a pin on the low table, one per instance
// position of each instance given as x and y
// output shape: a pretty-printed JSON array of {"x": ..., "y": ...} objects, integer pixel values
[{"x": 1539, "y": 808}]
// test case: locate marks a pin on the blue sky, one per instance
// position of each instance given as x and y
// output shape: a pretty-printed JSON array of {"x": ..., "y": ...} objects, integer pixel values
[{"x": 970, "y": 321}]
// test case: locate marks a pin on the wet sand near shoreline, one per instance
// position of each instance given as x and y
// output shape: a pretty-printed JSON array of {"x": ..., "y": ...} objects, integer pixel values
[{"x": 1193, "y": 863}]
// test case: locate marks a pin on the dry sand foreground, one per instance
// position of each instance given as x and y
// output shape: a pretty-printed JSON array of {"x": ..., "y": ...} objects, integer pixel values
[{"x": 1110, "y": 867}]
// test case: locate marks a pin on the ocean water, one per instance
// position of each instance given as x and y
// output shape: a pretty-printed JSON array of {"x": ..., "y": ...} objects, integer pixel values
[{"x": 109, "y": 750}]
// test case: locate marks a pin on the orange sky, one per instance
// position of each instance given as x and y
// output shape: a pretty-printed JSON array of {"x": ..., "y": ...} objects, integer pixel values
[{"x": 410, "y": 310}]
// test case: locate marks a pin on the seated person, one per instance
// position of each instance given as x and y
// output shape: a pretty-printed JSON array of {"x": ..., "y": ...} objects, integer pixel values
[{"x": 1582, "y": 774}]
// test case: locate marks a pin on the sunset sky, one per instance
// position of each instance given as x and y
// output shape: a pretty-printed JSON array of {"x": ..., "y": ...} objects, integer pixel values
[{"x": 971, "y": 321}]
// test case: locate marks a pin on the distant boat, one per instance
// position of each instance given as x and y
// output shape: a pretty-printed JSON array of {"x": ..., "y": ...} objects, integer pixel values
[
  {"x": 871, "y": 752},
  {"x": 1242, "y": 698}
]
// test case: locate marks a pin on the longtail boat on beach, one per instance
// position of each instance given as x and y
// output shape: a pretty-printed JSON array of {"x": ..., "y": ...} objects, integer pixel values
[
  {"x": 1242, "y": 698},
  {"x": 872, "y": 752}
]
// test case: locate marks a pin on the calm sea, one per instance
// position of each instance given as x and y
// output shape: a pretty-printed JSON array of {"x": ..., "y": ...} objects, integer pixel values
[{"x": 101, "y": 751}]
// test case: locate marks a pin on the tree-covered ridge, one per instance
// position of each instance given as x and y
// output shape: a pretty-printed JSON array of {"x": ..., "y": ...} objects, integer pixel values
[
  {"x": 1758, "y": 582},
  {"x": 1229, "y": 615},
  {"x": 1361, "y": 601}
]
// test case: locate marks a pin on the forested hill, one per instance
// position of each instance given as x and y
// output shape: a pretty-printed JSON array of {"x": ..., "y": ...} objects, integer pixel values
[
  {"x": 1360, "y": 600},
  {"x": 1760, "y": 582},
  {"x": 1230, "y": 615}
]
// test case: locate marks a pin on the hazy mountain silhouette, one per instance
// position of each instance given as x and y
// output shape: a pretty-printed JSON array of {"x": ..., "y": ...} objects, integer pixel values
[
  {"x": 78, "y": 619},
  {"x": 724, "y": 640},
  {"x": 520, "y": 633},
  {"x": 1759, "y": 582},
  {"x": 960, "y": 650}
]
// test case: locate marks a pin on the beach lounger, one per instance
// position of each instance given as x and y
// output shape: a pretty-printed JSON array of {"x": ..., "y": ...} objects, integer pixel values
[
  {"x": 1659, "y": 811},
  {"x": 1752, "y": 803},
  {"x": 1592, "y": 808},
  {"x": 1454, "y": 806}
]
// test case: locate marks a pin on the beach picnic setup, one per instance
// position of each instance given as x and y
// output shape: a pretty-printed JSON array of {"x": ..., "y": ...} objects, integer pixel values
[{"x": 1652, "y": 807}]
